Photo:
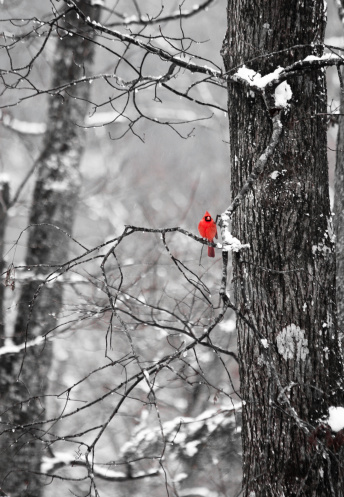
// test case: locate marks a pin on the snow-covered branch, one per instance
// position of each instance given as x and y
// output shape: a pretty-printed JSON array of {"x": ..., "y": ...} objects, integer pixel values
[
  {"x": 12, "y": 348},
  {"x": 273, "y": 86},
  {"x": 104, "y": 472},
  {"x": 185, "y": 435}
]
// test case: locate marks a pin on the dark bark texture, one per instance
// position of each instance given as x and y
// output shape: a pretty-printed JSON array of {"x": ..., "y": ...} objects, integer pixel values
[
  {"x": 339, "y": 217},
  {"x": 4, "y": 200},
  {"x": 285, "y": 283},
  {"x": 23, "y": 377}
]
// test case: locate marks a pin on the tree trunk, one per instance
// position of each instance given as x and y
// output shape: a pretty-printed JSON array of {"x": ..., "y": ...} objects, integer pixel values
[
  {"x": 24, "y": 375},
  {"x": 4, "y": 200},
  {"x": 339, "y": 216},
  {"x": 285, "y": 283}
]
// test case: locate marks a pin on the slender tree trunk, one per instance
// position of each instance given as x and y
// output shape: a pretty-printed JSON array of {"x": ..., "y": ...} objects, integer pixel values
[
  {"x": 4, "y": 200},
  {"x": 285, "y": 282},
  {"x": 339, "y": 216},
  {"x": 24, "y": 376}
]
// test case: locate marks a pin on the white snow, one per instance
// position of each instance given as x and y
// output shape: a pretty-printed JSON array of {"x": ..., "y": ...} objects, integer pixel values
[
  {"x": 255, "y": 78},
  {"x": 57, "y": 186},
  {"x": 336, "y": 418},
  {"x": 326, "y": 56},
  {"x": 11, "y": 348},
  {"x": 232, "y": 244},
  {"x": 182, "y": 429},
  {"x": 48, "y": 463},
  {"x": 180, "y": 477},
  {"x": 264, "y": 342},
  {"x": 199, "y": 491},
  {"x": 274, "y": 174},
  {"x": 283, "y": 94},
  {"x": 30, "y": 128},
  {"x": 283, "y": 91},
  {"x": 190, "y": 448}
]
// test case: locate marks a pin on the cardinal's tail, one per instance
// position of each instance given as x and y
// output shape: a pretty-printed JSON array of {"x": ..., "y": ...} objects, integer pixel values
[{"x": 211, "y": 252}]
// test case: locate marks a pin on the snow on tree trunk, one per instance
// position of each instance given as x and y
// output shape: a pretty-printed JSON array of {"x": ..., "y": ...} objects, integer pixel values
[
  {"x": 285, "y": 283},
  {"x": 23, "y": 376}
]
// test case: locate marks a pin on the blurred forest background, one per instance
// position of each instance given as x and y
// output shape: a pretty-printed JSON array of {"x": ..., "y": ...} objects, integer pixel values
[{"x": 153, "y": 176}]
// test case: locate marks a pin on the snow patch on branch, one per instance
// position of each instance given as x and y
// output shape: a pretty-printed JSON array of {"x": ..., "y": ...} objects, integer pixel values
[
  {"x": 49, "y": 463},
  {"x": 12, "y": 348},
  {"x": 190, "y": 449},
  {"x": 58, "y": 186},
  {"x": 254, "y": 78},
  {"x": 275, "y": 174},
  {"x": 283, "y": 91},
  {"x": 61, "y": 459},
  {"x": 283, "y": 94},
  {"x": 326, "y": 56},
  {"x": 336, "y": 418},
  {"x": 199, "y": 491},
  {"x": 23, "y": 127},
  {"x": 292, "y": 343},
  {"x": 232, "y": 244},
  {"x": 187, "y": 434}
]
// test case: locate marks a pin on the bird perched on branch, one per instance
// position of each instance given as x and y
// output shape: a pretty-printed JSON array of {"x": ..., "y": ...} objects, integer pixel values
[{"x": 207, "y": 229}]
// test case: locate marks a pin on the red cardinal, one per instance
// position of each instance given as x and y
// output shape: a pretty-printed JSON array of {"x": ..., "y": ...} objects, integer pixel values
[{"x": 207, "y": 229}]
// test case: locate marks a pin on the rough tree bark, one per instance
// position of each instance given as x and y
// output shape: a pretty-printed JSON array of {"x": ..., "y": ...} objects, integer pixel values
[
  {"x": 339, "y": 215},
  {"x": 23, "y": 377},
  {"x": 285, "y": 283},
  {"x": 4, "y": 200}
]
